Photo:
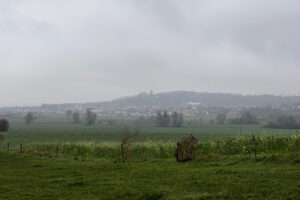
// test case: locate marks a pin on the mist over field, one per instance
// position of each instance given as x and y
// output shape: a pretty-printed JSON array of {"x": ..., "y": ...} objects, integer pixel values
[
  {"x": 150, "y": 99},
  {"x": 63, "y": 51}
]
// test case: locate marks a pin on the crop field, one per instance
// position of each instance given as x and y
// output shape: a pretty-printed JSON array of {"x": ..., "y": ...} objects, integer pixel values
[
  {"x": 62, "y": 160},
  {"x": 59, "y": 130}
]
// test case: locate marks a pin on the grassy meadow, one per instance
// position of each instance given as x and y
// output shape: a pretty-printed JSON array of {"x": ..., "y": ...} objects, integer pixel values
[
  {"x": 237, "y": 177},
  {"x": 224, "y": 167},
  {"x": 59, "y": 130}
]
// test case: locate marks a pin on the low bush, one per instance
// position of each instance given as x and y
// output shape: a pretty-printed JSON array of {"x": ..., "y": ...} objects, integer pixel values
[{"x": 186, "y": 149}]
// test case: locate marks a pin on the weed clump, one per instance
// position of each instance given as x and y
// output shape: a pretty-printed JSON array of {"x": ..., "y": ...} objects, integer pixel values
[{"x": 186, "y": 149}]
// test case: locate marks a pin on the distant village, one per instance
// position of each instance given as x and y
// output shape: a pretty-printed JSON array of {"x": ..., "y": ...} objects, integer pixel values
[{"x": 190, "y": 109}]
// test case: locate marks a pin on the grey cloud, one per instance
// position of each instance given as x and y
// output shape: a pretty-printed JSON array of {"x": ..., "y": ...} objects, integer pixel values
[{"x": 75, "y": 51}]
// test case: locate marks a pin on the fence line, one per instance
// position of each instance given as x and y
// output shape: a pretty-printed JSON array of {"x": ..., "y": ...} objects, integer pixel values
[{"x": 147, "y": 151}]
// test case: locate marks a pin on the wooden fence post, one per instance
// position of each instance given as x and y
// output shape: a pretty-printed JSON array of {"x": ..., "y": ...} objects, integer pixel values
[
  {"x": 38, "y": 150},
  {"x": 21, "y": 148},
  {"x": 82, "y": 155},
  {"x": 177, "y": 152},
  {"x": 122, "y": 152},
  {"x": 254, "y": 147},
  {"x": 8, "y": 146},
  {"x": 57, "y": 151}
]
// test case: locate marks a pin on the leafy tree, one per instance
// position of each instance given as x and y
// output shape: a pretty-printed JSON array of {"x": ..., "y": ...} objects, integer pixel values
[
  {"x": 221, "y": 118},
  {"x": 249, "y": 118},
  {"x": 4, "y": 125},
  {"x": 76, "y": 117},
  {"x": 246, "y": 118},
  {"x": 29, "y": 118},
  {"x": 112, "y": 122},
  {"x": 287, "y": 120},
  {"x": 284, "y": 122},
  {"x": 177, "y": 119},
  {"x": 69, "y": 113},
  {"x": 90, "y": 117}
]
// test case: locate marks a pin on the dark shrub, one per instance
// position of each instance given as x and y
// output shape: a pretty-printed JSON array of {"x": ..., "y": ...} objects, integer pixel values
[
  {"x": 246, "y": 118},
  {"x": 4, "y": 125},
  {"x": 284, "y": 122},
  {"x": 186, "y": 149}
]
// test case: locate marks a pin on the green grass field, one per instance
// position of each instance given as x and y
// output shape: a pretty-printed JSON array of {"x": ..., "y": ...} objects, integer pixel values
[
  {"x": 271, "y": 178},
  {"x": 58, "y": 129},
  {"x": 223, "y": 169}
]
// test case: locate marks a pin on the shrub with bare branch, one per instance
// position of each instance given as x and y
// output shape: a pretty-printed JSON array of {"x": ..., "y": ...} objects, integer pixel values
[
  {"x": 126, "y": 147},
  {"x": 186, "y": 149}
]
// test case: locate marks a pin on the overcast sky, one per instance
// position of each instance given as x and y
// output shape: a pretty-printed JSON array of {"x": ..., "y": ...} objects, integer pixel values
[{"x": 56, "y": 51}]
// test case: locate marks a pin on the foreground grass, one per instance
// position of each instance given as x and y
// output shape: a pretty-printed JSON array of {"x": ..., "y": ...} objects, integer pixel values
[{"x": 27, "y": 177}]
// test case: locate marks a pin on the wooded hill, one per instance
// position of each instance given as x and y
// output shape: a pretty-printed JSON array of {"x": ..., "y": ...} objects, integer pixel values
[{"x": 175, "y": 98}]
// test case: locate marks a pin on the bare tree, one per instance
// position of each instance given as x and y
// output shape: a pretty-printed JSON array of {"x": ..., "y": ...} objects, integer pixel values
[
  {"x": 76, "y": 117},
  {"x": 163, "y": 119},
  {"x": 69, "y": 113},
  {"x": 166, "y": 118},
  {"x": 127, "y": 139},
  {"x": 159, "y": 119},
  {"x": 29, "y": 118},
  {"x": 221, "y": 118},
  {"x": 90, "y": 117},
  {"x": 177, "y": 119}
]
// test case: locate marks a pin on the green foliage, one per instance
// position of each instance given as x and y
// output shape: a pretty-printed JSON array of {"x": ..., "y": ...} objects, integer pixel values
[
  {"x": 243, "y": 145},
  {"x": 4, "y": 125},
  {"x": 29, "y": 118},
  {"x": 58, "y": 129},
  {"x": 223, "y": 168},
  {"x": 284, "y": 122},
  {"x": 272, "y": 178},
  {"x": 239, "y": 145}
]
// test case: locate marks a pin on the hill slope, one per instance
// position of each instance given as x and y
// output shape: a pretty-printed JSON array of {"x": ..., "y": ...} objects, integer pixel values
[
  {"x": 170, "y": 99},
  {"x": 206, "y": 99}
]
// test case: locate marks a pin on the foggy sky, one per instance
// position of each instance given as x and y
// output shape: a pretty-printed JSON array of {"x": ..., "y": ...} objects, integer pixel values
[{"x": 56, "y": 51}]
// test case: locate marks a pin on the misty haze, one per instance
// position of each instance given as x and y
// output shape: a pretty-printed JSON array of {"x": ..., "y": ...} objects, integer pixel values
[{"x": 139, "y": 99}]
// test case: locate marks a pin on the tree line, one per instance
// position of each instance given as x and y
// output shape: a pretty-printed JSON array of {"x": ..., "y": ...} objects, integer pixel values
[
  {"x": 284, "y": 122},
  {"x": 165, "y": 119},
  {"x": 246, "y": 118},
  {"x": 281, "y": 122},
  {"x": 90, "y": 117}
]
